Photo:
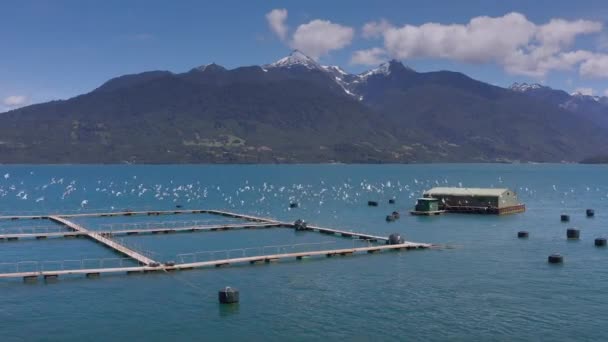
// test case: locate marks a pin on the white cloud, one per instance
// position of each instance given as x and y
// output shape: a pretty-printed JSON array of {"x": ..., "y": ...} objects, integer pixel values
[
  {"x": 512, "y": 41},
  {"x": 374, "y": 29},
  {"x": 561, "y": 33},
  {"x": 371, "y": 56},
  {"x": 584, "y": 91},
  {"x": 595, "y": 66},
  {"x": 15, "y": 100},
  {"x": 319, "y": 37},
  {"x": 276, "y": 21},
  {"x": 482, "y": 39}
]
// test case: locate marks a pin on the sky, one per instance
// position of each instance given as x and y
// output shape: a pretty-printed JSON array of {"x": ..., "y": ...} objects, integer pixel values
[{"x": 59, "y": 49}]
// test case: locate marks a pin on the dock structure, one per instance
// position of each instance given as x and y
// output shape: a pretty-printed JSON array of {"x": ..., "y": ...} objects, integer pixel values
[
  {"x": 219, "y": 262},
  {"x": 147, "y": 264},
  {"x": 146, "y": 212},
  {"x": 345, "y": 233},
  {"x": 469, "y": 200},
  {"x": 142, "y": 259},
  {"x": 157, "y": 230}
]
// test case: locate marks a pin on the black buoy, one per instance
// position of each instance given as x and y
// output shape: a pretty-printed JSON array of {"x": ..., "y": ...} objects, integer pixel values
[
  {"x": 590, "y": 212},
  {"x": 391, "y": 201},
  {"x": 522, "y": 235},
  {"x": 228, "y": 295},
  {"x": 300, "y": 225},
  {"x": 178, "y": 206},
  {"x": 394, "y": 239},
  {"x": 565, "y": 218},
  {"x": 573, "y": 233},
  {"x": 372, "y": 203},
  {"x": 393, "y": 216},
  {"x": 293, "y": 205},
  {"x": 555, "y": 259},
  {"x": 600, "y": 242}
]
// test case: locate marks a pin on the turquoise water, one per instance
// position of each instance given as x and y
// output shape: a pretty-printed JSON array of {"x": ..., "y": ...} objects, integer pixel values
[{"x": 484, "y": 284}]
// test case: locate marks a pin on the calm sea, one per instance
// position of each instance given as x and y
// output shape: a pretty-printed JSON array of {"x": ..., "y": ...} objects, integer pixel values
[{"x": 484, "y": 284}]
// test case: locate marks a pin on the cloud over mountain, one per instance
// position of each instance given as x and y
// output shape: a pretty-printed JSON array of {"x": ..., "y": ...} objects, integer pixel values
[
  {"x": 371, "y": 56},
  {"x": 315, "y": 38},
  {"x": 276, "y": 21},
  {"x": 15, "y": 101},
  {"x": 519, "y": 45}
]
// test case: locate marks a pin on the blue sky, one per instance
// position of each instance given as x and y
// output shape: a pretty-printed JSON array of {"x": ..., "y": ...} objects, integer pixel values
[{"x": 59, "y": 49}]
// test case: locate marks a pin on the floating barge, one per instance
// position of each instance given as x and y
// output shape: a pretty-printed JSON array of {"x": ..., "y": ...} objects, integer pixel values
[
  {"x": 489, "y": 201},
  {"x": 427, "y": 207}
]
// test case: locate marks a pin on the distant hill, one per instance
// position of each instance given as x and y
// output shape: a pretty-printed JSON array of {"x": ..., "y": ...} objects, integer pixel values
[
  {"x": 295, "y": 110},
  {"x": 593, "y": 108},
  {"x": 600, "y": 159}
]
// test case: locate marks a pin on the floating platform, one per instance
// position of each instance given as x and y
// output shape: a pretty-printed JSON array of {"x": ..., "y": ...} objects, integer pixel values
[
  {"x": 486, "y": 210},
  {"x": 138, "y": 231},
  {"x": 96, "y": 272},
  {"x": 427, "y": 213},
  {"x": 135, "y": 213},
  {"x": 488, "y": 201},
  {"x": 147, "y": 264}
]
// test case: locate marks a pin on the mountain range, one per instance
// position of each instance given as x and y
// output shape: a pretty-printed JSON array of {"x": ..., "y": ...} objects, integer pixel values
[{"x": 298, "y": 111}]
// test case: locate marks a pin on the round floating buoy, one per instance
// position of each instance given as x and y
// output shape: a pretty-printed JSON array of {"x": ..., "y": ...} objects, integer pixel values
[
  {"x": 391, "y": 201},
  {"x": 522, "y": 235},
  {"x": 178, "y": 206},
  {"x": 228, "y": 295},
  {"x": 565, "y": 218},
  {"x": 394, "y": 239},
  {"x": 590, "y": 212},
  {"x": 396, "y": 214},
  {"x": 293, "y": 205},
  {"x": 600, "y": 242},
  {"x": 390, "y": 218},
  {"x": 555, "y": 259},
  {"x": 573, "y": 233},
  {"x": 372, "y": 203},
  {"x": 300, "y": 224}
]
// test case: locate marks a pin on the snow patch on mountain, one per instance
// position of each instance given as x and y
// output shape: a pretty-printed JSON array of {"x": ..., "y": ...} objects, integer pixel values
[
  {"x": 295, "y": 59},
  {"x": 523, "y": 87},
  {"x": 383, "y": 69},
  {"x": 345, "y": 80}
]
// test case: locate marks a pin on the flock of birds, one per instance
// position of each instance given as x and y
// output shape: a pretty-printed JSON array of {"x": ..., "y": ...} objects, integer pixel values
[{"x": 84, "y": 194}]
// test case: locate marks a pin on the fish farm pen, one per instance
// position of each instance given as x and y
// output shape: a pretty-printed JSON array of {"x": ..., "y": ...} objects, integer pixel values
[
  {"x": 492, "y": 201},
  {"x": 136, "y": 261}
]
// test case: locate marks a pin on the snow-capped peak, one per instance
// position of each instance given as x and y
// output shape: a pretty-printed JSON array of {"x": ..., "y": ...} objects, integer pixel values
[
  {"x": 523, "y": 87},
  {"x": 582, "y": 95},
  {"x": 295, "y": 58},
  {"x": 334, "y": 69},
  {"x": 385, "y": 68}
]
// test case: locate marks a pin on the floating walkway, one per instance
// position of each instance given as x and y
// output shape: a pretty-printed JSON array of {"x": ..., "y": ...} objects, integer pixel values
[
  {"x": 104, "y": 240},
  {"x": 215, "y": 263},
  {"x": 159, "y": 230},
  {"x": 134, "y": 213},
  {"x": 149, "y": 265}
]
